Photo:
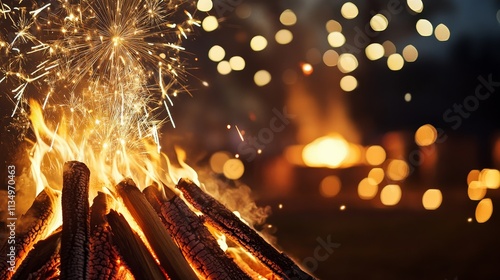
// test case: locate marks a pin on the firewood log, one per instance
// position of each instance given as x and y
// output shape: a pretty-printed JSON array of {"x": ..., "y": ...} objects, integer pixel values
[
  {"x": 167, "y": 252},
  {"x": 43, "y": 260},
  {"x": 104, "y": 262},
  {"x": 197, "y": 244},
  {"x": 30, "y": 228},
  {"x": 221, "y": 218},
  {"x": 75, "y": 246},
  {"x": 132, "y": 250},
  {"x": 154, "y": 195}
]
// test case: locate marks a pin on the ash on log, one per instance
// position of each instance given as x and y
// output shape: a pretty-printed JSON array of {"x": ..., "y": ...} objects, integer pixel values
[
  {"x": 43, "y": 260},
  {"x": 32, "y": 227},
  {"x": 221, "y": 218},
  {"x": 104, "y": 262},
  {"x": 169, "y": 255},
  {"x": 196, "y": 242},
  {"x": 132, "y": 250},
  {"x": 75, "y": 246}
]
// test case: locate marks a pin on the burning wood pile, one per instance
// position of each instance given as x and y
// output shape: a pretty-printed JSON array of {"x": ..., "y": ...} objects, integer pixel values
[{"x": 172, "y": 242}]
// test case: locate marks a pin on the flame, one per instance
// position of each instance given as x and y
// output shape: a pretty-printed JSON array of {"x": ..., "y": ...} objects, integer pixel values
[
  {"x": 250, "y": 264},
  {"x": 185, "y": 171},
  {"x": 105, "y": 76},
  {"x": 108, "y": 162},
  {"x": 331, "y": 151},
  {"x": 113, "y": 159}
]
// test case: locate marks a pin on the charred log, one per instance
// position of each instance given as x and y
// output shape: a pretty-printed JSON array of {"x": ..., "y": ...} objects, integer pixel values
[
  {"x": 169, "y": 255},
  {"x": 43, "y": 260},
  {"x": 197, "y": 244},
  {"x": 132, "y": 250},
  {"x": 227, "y": 222},
  {"x": 250, "y": 264},
  {"x": 75, "y": 246},
  {"x": 32, "y": 227},
  {"x": 155, "y": 197},
  {"x": 104, "y": 262}
]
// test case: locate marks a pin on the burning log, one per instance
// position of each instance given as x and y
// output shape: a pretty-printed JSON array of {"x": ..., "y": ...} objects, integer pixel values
[
  {"x": 227, "y": 222},
  {"x": 43, "y": 261},
  {"x": 155, "y": 197},
  {"x": 250, "y": 264},
  {"x": 196, "y": 242},
  {"x": 132, "y": 250},
  {"x": 104, "y": 262},
  {"x": 169, "y": 255},
  {"x": 75, "y": 246},
  {"x": 32, "y": 227}
]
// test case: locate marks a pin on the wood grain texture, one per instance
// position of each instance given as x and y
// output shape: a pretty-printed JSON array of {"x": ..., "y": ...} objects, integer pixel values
[
  {"x": 104, "y": 262},
  {"x": 167, "y": 252},
  {"x": 30, "y": 228},
  {"x": 223, "y": 219},
  {"x": 197, "y": 244},
  {"x": 75, "y": 241}
]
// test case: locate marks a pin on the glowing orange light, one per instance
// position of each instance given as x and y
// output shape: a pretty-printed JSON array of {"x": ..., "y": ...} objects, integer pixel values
[
  {"x": 367, "y": 188},
  {"x": 484, "y": 210},
  {"x": 330, "y": 186},
  {"x": 432, "y": 199},
  {"x": 375, "y": 155},
  {"x": 328, "y": 151},
  {"x": 390, "y": 195},
  {"x": 307, "y": 69},
  {"x": 397, "y": 170},
  {"x": 426, "y": 135}
]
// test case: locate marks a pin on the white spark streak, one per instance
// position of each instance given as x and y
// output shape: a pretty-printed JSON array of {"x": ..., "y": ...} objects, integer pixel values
[
  {"x": 15, "y": 108},
  {"x": 29, "y": 80},
  {"x": 45, "y": 101},
  {"x": 169, "y": 115},
  {"x": 37, "y": 11},
  {"x": 239, "y": 133}
]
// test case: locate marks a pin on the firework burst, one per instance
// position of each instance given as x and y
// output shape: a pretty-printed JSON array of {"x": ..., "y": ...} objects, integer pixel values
[{"x": 111, "y": 65}]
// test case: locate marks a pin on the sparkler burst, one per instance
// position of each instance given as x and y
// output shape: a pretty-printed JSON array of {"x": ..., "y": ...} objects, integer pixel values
[
  {"x": 111, "y": 65},
  {"x": 126, "y": 53},
  {"x": 103, "y": 72}
]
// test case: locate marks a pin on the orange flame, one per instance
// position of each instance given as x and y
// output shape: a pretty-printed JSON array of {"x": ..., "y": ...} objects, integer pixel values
[{"x": 109, "y": 163}]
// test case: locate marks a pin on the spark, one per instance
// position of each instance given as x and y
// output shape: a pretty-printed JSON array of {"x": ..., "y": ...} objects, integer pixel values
[
  {"x": 46, "y": 100},
  {"x": 15, "y": 109},
  {"x": 34, "y": 13},
  {"x": 112, "y": 63},
  {"x": 5, "y": 9},
  {"x": 239, "y": 133},
  {"x": 51, "y": 67},
  {"x": 169, "y": 115},
  {"x": 29, "y": 80}
]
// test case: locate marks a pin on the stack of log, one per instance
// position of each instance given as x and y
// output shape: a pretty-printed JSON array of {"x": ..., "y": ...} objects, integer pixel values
[{"x": 173, "y": 243}]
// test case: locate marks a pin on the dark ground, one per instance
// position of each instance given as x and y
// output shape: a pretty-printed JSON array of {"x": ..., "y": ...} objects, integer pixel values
[{"x": 390, "y": 243}]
